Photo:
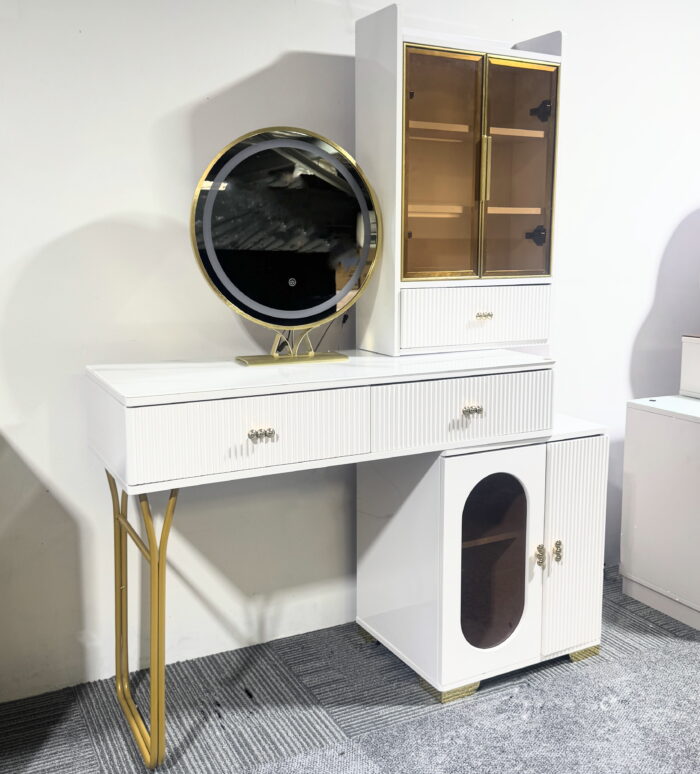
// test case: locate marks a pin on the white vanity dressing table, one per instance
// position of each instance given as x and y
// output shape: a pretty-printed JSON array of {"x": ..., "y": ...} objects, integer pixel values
[
  {"x": 480, "y": 523},
  {"x": 170, "y": 425}
]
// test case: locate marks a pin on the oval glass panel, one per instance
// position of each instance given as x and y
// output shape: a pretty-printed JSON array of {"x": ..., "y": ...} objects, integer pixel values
[
  {"x": 494, "y": 525},
  {"x": 285, "y": 227}
]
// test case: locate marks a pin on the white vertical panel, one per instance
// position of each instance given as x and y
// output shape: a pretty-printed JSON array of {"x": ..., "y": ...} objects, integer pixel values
[
  {"x": 446, "y": 317},
  {"x": 427, "y": 414},
  {"x": 378, "y": 150},
  {"x": 575, "y": 514},
  {"x": 196, "y": 439}
]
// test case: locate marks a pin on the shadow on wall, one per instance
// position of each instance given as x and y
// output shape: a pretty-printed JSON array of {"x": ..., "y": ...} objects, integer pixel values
[
  {"x": 656, "y": 356},
  {"x": 300, "y": 89},
  {"x": 41, "y": 612},
  {"x": 272, "y": 535}
]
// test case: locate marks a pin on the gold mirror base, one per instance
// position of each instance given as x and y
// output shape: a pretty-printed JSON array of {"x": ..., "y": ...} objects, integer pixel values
[{"x": 311, "y": 357}]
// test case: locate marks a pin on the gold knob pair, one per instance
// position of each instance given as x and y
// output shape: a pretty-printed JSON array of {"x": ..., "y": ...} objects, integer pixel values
[
  {"x": 256, "y": 435},
  {"x": 472, "y": 409},
  {"x": 540, "y": 556},
  {"x": 541, "y": 553},
  {"x": 484, "y": 315}
]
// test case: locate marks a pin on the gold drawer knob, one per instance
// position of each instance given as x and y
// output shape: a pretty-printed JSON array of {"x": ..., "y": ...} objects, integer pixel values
[
  {"x": 558, "y": 551},
  {"x": 484, "y": 315},
  {"x": 256, "y": 435},
  {"x": 540, "y": 556},
  {"x": 472, "y": 409}
]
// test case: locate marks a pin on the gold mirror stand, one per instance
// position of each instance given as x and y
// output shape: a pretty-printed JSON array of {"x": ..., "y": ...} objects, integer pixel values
[{"x": 299, "y": 351}]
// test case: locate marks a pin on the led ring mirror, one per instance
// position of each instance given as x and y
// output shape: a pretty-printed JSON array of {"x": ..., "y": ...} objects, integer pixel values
[{"x": 286, "y": 230}]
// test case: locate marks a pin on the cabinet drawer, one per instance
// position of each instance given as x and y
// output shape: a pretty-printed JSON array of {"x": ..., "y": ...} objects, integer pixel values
[
  {"x": 196, "y": 439},
  {"x": 430, "y": 414},
  {"x": 469, "y": 316}
]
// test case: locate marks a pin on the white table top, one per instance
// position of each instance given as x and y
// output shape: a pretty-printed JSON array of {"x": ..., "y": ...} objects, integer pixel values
[
  {"x": 147, "y": 384},
  {"x": 678, "y": 406}
]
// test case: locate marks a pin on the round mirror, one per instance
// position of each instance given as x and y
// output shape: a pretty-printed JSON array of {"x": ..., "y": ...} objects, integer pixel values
[{"x": 286, "y": 228}]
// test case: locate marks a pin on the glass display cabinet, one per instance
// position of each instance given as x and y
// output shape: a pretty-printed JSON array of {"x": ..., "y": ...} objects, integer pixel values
[
  {"x": 458, "y": 136},
  {"x": 479, "y": 137}
]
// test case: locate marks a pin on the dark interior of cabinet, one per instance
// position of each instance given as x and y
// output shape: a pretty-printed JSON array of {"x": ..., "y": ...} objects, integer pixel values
[
  {"x": 494, "y": 525},
  {"x": 442, "y": 127}
]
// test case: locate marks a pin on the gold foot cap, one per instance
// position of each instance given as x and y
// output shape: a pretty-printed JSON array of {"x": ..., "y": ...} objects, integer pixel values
[
  {"x": 580, "y": 655},
  {"x": 447, "y": 696}
]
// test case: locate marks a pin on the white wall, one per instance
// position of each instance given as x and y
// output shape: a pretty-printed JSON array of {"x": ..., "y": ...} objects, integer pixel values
[{"x": 110, "y": 111}]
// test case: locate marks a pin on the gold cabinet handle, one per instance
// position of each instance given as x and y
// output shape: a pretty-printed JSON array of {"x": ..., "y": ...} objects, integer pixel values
[
  {"x": 557, "y": 552},
  {"x": 484, "y": 315},
  {"x": 540, "y": 556},
  {"x": 486, "y": 141},
  {"x": 472, "y": 409}
]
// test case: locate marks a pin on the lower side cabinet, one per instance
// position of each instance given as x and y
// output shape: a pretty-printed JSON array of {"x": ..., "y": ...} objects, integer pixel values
[{"x": 474, "y": 564}]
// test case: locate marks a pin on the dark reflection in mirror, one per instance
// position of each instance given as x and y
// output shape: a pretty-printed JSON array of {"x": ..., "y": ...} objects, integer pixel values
[{"x": 285, "y": 228}]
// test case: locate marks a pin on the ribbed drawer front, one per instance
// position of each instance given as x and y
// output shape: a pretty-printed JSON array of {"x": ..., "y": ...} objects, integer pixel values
[
  {"x": 429, "y": 414},
  {"x": 454, "y": 317},
  {"x": 195, "y": 439}
]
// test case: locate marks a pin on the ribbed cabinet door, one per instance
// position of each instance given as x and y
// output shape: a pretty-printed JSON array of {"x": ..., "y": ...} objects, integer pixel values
[{"x": 575, "y": 515}]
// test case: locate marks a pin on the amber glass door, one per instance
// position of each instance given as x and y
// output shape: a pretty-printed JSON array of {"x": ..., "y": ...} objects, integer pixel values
[
  {"x": 494, "y": 528},
  {"x": 442, "y": 126},
  {"x": 518, "y": 152}
]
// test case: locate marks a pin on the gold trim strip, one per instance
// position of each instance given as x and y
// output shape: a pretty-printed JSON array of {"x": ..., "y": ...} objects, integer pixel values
[{"x": 525, "y": 64}]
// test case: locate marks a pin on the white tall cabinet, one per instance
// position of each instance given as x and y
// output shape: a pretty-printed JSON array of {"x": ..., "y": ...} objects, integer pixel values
[{"x": 475, "y": 561}]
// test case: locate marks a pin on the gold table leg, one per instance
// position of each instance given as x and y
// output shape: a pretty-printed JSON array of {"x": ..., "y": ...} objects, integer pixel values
[{"x": 149, "y": 739}]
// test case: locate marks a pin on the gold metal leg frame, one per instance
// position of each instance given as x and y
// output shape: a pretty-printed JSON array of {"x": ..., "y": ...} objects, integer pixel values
[{"x": 150, "y": 739}]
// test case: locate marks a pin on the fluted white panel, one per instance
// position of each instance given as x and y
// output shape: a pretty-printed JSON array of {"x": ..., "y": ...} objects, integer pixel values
[
  {"x": 194, "y": 439},
  {"x": 428, "y": 414},
  {"x": 575, "y": 514},
  {"x": 446, "y": 317}
]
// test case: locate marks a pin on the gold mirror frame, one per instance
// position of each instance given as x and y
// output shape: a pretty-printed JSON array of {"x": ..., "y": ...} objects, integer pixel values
[{"x": 294, "y": 338}]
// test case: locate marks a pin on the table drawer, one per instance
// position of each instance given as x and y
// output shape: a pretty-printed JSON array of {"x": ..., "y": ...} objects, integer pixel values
[
  {"x": 424, "y": 415},
  {"x": 207, "y": 437},
  {"x": 471, "y": 316}
]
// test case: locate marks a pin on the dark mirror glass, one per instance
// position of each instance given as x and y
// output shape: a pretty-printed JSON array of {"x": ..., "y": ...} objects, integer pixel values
[{"x": 285, "y": 227}]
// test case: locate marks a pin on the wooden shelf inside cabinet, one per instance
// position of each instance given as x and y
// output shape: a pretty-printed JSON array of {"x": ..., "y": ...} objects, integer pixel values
[
  {"x": 514, "y": 210},
  {"x": 501, "y": 538},
  {"x": 439, "y": 126},
  {"x": 437, "y": 131},
  {"x": 502, "y": 131},
  {"x": 435, "y": 210}
]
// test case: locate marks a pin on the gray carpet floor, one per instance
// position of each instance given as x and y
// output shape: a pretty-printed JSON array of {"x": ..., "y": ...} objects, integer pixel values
[{"x": 330, "y": 701}]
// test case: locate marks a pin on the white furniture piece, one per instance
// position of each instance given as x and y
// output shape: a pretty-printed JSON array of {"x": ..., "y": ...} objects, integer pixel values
[
  {"x": 449, "y": 129},
  {"x": 690, "y": 366},
  {"x": 660, "y": 496},
  {"x": 414, "y": 421},
  {"x": 475, "y": 563}
]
